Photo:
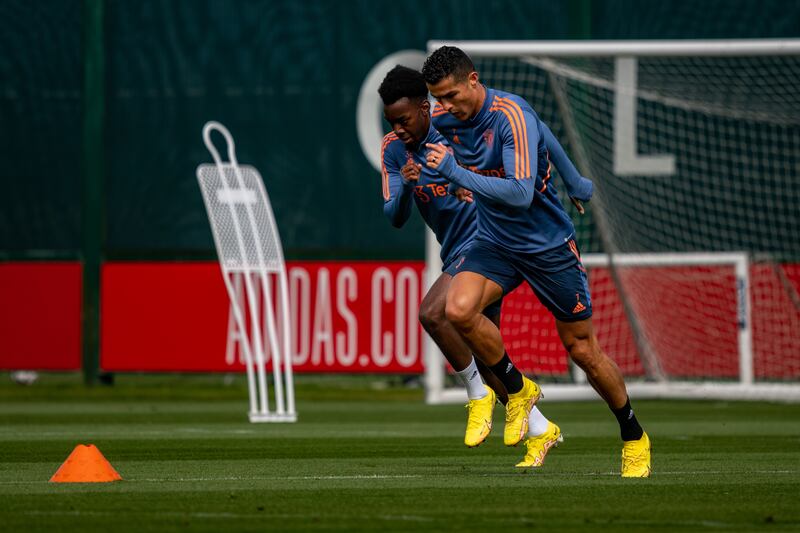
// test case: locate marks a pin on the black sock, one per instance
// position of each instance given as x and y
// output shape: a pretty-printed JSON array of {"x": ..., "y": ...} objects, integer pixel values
[
  {"x": 508, "y": 374},
  {"x": 629, "y": 427}
]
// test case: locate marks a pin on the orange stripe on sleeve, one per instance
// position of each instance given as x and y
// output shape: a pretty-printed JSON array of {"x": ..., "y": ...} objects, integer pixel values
[
  {"x": 516, "y": 110},
  {"x": 521, "y": 153},
  {"x": 519, "y": 143},
  {"x": 517, "y": 161},
  {"x": 387, "y": 140},
  {"x": 496, "y": 106}
]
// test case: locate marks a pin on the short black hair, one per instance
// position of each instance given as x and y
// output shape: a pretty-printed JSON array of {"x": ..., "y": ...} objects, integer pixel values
[
  {"x": 447, "y": 61},
  {"x": 402, "y": 82}
]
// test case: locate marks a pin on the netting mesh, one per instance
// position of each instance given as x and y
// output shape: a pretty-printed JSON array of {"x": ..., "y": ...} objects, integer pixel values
[
  {"x": 257, "y": 244},
  {"x": 731, "y": 126}
]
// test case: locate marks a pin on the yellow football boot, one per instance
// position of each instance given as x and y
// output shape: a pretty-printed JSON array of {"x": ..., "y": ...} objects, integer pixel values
[
  {"x": 636, "y": 457},
  {"x": 518, "y": 409},
  {"x": 539, "y": 446},
  {"x": 479, "y": 419}
]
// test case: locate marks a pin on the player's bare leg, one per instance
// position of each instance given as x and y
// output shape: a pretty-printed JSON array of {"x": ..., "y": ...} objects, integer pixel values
[
  {"x": 543, "y": 434},
  {"x": 603, "y": 374},
  {"x": 605, "y": 377},
  {"x": 455, "y": 350},
  {"x": 481, "y": 397},
  {"x": 468, "y": 295}
]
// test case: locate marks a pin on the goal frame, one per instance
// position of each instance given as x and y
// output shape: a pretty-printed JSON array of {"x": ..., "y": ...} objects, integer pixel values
[{"x": 743, "y": 389}]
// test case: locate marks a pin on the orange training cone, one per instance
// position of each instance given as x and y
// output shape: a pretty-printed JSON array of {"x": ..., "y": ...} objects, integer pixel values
[{"x": 85, "y": 465}]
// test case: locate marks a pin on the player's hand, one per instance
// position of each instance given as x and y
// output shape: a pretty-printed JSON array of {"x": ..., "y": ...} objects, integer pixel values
[
  {"x": 578, "y": 205},
  {"x": 436, "y": 154},
  {"x": 463, "y": 195},
  {"x": 411, "y": 170}
]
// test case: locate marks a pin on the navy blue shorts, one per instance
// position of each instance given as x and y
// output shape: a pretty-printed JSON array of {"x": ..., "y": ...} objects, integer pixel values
[
  {"x": 556, "y": 276},
  {"x": 493, "y": 309}
]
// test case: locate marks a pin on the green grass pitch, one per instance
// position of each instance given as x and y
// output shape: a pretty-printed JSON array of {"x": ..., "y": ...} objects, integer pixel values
[{"x": 380, "y": 460}]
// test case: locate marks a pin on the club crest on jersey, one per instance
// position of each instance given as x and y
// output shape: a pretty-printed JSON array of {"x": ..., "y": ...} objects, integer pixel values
[
  {"x": 455, "y": 137},
  {"x": 488, "y": 136}
]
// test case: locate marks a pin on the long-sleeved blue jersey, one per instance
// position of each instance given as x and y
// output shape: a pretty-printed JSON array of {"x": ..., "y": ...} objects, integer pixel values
[
  {"x": 504, "y": 157},
  {"x": 453, "y": 221}
]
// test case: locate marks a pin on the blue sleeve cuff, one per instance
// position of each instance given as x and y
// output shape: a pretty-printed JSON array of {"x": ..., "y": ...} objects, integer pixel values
[{"x": 583, "y": 191}]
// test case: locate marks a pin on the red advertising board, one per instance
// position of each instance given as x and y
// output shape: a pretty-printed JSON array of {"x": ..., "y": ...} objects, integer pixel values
[
  {"x": 40, "y": 315},
  {"x": 361, "y": 316},
  {"x": 348, "y": 317}
]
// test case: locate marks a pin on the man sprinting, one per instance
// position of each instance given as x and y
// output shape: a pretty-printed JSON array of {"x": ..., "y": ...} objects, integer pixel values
[
  {"x": 452, "y": 218},
  {"x": 523, "y": 233}
]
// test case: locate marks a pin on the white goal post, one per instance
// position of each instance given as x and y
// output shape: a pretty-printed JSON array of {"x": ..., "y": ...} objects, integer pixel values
[
  {"x": 694, "y": 147},
  {"x": 742, "y": 388}
]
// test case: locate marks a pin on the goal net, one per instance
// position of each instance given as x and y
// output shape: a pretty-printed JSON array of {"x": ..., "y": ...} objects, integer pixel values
[{"x": 692, "y": 241}]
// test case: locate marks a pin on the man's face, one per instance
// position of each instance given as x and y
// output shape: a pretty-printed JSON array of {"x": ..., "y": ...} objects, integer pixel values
[
  {"x": 409, "y": 119},
  {"x": 459, "y": 98}
]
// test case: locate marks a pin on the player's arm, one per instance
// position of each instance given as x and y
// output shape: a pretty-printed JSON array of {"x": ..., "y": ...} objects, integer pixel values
[
  {"x": 398, "y": 187},
  {"x": 516, "y": 189},
  {"x": 577, "y": 186}
]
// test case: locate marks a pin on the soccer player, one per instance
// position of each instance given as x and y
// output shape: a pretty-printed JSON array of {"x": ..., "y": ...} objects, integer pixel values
[
  {"x": 524, "y": 233},
  {"x": 452, "y": 218}
]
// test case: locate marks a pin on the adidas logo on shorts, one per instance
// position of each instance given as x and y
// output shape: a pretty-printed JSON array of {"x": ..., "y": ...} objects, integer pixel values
[{"x": 579, "y": 307}]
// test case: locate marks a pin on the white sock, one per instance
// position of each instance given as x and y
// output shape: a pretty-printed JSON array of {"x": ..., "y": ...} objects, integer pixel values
[
  {"x": 471, "y": 379},
  {"x": 537, "y": 423}
]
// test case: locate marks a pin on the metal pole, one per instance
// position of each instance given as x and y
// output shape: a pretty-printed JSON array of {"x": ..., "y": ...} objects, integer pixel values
[{"x": 93, "y": 166}]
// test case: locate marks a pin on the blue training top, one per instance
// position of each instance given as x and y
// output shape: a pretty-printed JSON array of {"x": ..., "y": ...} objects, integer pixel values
[
  {"x": 503, "y": 155},
  {"x": 453, "y": 221}
]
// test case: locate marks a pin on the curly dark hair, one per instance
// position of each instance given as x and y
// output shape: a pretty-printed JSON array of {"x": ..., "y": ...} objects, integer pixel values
[
  {"x": 402, "y": 82},
  {"x": 447, "y": 61}
]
